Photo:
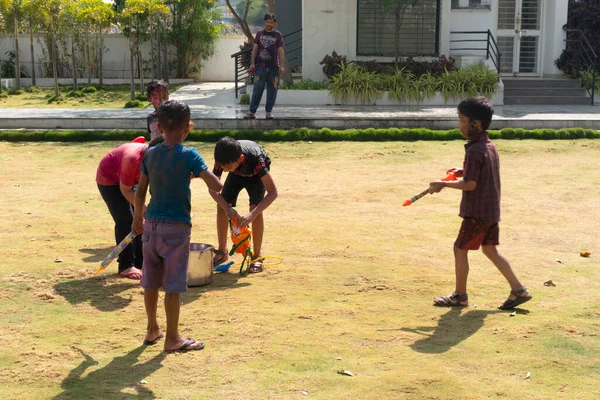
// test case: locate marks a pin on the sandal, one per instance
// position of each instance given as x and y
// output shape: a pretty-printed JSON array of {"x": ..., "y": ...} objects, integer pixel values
[
  {"x": 220, "y": 257},
  {"x": 256, "y": 267},
  {"x": 249, "y": 115},
  {"x": 518, "y": 298},
  {"x": 452, "y": 300}
]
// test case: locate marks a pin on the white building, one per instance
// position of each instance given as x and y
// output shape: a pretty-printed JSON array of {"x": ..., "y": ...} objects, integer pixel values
[{"x": 528, "y": 33}]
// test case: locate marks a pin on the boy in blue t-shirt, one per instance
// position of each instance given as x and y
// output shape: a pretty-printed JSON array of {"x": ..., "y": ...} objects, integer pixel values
[{"x": 166, "y": 169}]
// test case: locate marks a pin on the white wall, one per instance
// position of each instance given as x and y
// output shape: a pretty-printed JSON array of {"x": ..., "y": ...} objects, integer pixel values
[
  {"x": 115, "y": 61},
  {"x": 221, "y": 67},
  {"x": 554, "y": 36},
  {"x": 327, "y": 25}
]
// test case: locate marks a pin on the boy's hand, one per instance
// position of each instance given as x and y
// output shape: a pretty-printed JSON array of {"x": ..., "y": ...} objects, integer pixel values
[
  {"x": 137, "y": 227},
  {"x": 232, "y": 214},
  {"x": 457, "y": 171},
  {"x": 244, "y": 221},
  {"x": 437, "y": 186}
]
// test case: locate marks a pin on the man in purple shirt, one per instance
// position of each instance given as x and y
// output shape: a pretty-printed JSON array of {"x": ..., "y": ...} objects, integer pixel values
[
  {"x": 480, "y": 205},
  {"x": 268, "y": 47}
]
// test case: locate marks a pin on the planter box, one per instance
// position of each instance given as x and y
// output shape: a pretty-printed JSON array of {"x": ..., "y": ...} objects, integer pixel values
[{"x": 323, "y": 98}]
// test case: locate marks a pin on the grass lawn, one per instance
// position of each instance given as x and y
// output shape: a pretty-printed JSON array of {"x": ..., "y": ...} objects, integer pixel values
[
  {"x": 113, "y": 96},
  {"x": 354, "y": 291}
]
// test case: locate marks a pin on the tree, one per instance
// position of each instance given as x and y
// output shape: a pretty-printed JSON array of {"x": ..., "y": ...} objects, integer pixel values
[
  {"x": 98, "y": 14},
  {"x": 194, "y": 33},
  {"x": 34, "y": 21},
  {"x": 242, "y": 18},
  {"x": 50, "y": 11},
  {"x": 71, "y": 16},
  {"x": 398, "y": 8},
  {"x": 13, "y": 10}
]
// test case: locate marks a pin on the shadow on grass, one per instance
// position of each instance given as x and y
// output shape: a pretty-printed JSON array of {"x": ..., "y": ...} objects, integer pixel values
[
  {"x": 109, "y": 382},
  {"x": 96, "y": 255},
  {"x": 106, "y": 295},
  {"x": 452, "y": 328}
]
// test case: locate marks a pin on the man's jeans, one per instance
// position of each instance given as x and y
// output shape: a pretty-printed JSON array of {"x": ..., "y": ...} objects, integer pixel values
[{"x": 262, "y": 76}]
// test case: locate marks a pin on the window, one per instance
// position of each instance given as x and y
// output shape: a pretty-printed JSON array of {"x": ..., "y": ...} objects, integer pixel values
[
  {"x": 419, "y": 30},
  {"x": 472, "y": 5}
]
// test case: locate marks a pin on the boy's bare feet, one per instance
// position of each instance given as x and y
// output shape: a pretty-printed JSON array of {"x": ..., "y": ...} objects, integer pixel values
[{"x": 183, "y": 345}]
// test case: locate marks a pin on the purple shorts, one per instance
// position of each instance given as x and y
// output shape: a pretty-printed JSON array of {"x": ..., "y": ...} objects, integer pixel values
[
  {"x": 166, "y": 252},
  {"x": 475, "y": 232}
]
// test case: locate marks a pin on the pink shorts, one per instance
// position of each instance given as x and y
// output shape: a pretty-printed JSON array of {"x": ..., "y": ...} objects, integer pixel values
[
  {"x": 166, "y": 253},
  {"x": 475, "y": 233}
]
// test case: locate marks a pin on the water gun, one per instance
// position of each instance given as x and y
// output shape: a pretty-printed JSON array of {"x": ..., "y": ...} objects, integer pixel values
[
  {"x": 116, "y": 251},
  {"x": 451, "y": 176}
]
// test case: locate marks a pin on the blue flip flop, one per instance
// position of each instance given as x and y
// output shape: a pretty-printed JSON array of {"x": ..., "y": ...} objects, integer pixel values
[{"x": 223, "y": 267}]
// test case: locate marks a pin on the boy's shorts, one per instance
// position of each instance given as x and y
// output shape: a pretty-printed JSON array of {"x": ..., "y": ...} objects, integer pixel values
[
  {"x": 475, "y": 232},
  {"x": 235, "y": 183},
  {"x": 166, "y": 251}
]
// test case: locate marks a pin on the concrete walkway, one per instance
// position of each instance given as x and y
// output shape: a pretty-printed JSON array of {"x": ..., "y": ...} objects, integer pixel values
[{"x": 214, "y": 106}]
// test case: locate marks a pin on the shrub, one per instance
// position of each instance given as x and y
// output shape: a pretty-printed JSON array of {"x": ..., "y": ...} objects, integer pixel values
[
  {"x": 133, "y": 104},
  {"x": 332, "y": 64},
  {"x": 75, "y": 93},
  {"x": 53, "y": 99},
  {"x": 354, "y": 83},
  {"x": 15, "y": 92},
  {"x": 245, "y": 99},
  {"x": 32, "y": 89},
  {"x": 3, "y": 95},
  {"x": 306, "y": 84},
  {"x": 89, "y": 89},
  {"x": 142, "y": 98}
]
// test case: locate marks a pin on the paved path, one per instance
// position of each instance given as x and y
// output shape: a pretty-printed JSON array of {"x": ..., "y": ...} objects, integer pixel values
[{"x": 214, "y": 106}]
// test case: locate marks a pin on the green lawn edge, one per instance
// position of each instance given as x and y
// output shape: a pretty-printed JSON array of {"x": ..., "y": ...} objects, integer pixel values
[{"x": 299, "y": 134}]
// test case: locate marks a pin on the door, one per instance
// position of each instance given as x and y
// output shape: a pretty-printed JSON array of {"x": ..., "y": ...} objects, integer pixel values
[{"x": 519, "y": 35}]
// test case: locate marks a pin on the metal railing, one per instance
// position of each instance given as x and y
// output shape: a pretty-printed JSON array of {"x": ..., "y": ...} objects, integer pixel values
[
  {"x": 587, "y": 59},
  {"x": 293, "y": 54},
  {"x": 491, "y": 49}
]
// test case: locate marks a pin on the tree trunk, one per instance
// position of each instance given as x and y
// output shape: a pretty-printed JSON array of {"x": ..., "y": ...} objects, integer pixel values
[
  {"x": 17, "y": 57},
  {"x": 54, "y": 72},
  {"x": 242, "y": 20},
  {"x": 132, "y": 81},
  {"x": 141, "y": 69},
  {"x": 33, "y": 82},
  {"x": 151, "y": 50},
  {"x": 271, "y": 7},
  {"x": 74, "y": 62},
  {"x": 100, "y": 57},
  {"x": 89, "y": 59},
  {"x": 166, "y": 57},
  {"x": 158, "y": 64}
]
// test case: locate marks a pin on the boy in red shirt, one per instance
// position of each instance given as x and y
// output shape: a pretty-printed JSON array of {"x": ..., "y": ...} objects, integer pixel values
[{"x": 480, "y": 205}]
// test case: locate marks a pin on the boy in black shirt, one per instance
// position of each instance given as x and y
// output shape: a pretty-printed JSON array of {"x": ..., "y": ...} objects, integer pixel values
[{"x": 248, "y": 166}]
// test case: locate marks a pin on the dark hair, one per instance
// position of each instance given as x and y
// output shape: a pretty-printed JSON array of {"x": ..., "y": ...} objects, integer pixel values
[
  {"x": 173, "y": 115},
  {"x": 227, "y": 150},
  {"x": 477, "y": 109},
  {"x": 270, "y": 16},
  {"x": 154, "y": 85},
  {"x": 156, "y": 141}
]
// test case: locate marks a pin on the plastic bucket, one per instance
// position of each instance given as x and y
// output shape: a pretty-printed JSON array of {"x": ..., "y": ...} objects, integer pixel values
[{"x": 200, "y": 264}]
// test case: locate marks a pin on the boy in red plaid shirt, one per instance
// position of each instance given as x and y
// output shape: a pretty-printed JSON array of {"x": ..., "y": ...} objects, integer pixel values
[{"x": 480, "y": 205}]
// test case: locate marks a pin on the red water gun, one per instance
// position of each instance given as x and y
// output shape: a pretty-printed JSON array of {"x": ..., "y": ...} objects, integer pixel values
[{"x": 452, "y": 175}]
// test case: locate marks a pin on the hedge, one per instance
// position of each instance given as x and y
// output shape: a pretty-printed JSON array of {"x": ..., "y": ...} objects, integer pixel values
[{"x": 299, "y": 134}]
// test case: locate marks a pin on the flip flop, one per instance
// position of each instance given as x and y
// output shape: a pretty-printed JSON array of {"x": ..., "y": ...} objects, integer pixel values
[
  {"x": 186, "y": 347},
  {"x": 136, "y": 276},
  {"x": 154, "y": 341}
]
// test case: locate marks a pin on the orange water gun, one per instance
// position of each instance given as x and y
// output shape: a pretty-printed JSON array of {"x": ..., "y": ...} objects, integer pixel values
[
  {"x": 241, "y": 244},
  {"x": 451, "y": 176}
]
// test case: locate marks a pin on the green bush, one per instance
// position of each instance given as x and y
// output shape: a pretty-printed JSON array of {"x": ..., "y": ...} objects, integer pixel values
[
  {"x": 245, "y": 99},
  {"x": 302, "y": 134},
  {"x": 89, "y": 89},
  {"x": 141, "y": 98},
  {"x": 306, "y": 84},
  {"x": 3, "y": 95},
  {"x": 75, "y": 93},
  {"x": 133, "y": 104},
  {"x": 356, "y": 84},
  {"x": 32, "y": 89},
  {"x": 53, "y": 99},
  {"x": 15, "y": 92}
]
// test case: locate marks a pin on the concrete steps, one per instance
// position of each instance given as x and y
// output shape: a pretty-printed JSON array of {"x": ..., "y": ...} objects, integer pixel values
[{"x": 540, "y": 91}]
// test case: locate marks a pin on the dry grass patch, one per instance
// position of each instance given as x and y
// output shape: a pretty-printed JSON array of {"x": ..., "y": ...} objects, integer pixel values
[{"x": 354, "y": 292}]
